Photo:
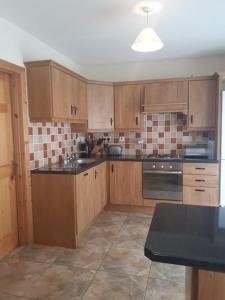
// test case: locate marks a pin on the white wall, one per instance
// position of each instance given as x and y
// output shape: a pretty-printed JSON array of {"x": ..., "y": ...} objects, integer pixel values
[
  {"x": 155, "y": 69},
  {"x": 17, "y": 46}
]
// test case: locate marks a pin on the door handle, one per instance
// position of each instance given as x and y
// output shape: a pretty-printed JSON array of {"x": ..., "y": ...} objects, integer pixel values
[
  {"x": 111, "y": 121},
  {"x": 85, "y": 174},
  {"x": 192, "y": 119},
  {"x": 198, "y": 190},
  {"x": 96, "y": 173},
  {"x": 136, "y": 120},
  {"x": 112, "y": 168},
  {"x": 199, "y": 180}
]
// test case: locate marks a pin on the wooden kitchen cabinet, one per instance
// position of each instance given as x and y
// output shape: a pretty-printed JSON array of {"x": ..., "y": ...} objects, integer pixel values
[
  {"x": 90, "y": 195},
  {"x": 126, "y": 183},
  {"x": 128, "y": 107},
  {"x": 65, "y": 205},
  {"x": 55, "y": 93},
  {"x": 202, "y": 104},
  {"x": 79, "y": 100},
  {"x": 54, "y": 211},
  {"x": 100, "y": 101},
  {"x": 201, "y": 184},
  {"x": 166, "y": 96}
]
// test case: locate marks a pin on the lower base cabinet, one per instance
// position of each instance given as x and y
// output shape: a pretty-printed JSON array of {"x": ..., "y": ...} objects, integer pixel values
[
  {"x": 91, "y": 195},
  {"x": 201, "y": 184},
  {"x": 65, "y": 205},
  {"x": 126, "y": 183}
]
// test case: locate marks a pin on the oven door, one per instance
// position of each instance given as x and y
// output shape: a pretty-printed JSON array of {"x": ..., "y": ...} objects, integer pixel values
[{"x": 162, "y": 185}]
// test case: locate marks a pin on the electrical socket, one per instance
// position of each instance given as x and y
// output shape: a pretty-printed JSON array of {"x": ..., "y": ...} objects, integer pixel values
[{"x": 122, "y": 139}]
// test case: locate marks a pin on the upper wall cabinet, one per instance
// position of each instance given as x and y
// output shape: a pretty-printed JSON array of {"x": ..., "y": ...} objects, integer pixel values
[
  {"x": 128, "y": 107},
  {"x": 202, "y": 104},
  {"x": 100, "y": 107},
  {"x": 165, "y": 96},
  {"x": 55, "y": 93}
]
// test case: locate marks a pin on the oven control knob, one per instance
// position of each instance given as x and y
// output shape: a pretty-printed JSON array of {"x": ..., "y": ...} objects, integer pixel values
[
  {"x": 171, "y": 167},
  {"x": 154, "y": 166},
  {"x": 162, "y": 167}
]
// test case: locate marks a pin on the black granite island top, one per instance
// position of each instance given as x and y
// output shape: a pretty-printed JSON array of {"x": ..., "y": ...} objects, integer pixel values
[{"x": 188, "y": 235}]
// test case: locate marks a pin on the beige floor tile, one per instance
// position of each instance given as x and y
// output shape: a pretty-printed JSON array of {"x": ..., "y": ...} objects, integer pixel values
[
  {"x": 9, "y": 297},
  {"x": 159, "y": 289},
  {"x": 95, "y": 243},
  {"x": 132, "y": 237},
  {"x": 111, "y": 217},
  {"x": 37, "y": 253},
  {"x": 126, "y": 261},
  {"x": 17, "y": 275},
  {"x": 110, "y": 286},
  {"x": 108, "y": 231},
  {"x": 81, "y": 257},
  {"x": 167, "y": 272},
  {"x": 60, "y": 283},
  {"x": 139, "y": 219}
]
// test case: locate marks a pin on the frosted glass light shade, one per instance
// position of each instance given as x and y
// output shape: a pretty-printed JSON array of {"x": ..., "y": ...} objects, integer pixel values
[{"x": 147, "y": 41}]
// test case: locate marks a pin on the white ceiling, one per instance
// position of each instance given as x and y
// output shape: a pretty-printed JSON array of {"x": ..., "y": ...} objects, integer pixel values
[{"x": 102, "y": 31}]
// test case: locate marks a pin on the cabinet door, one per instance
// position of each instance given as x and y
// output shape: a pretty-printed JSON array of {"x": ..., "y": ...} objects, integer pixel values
[
  {"x": 100, "y": 107},
  {"x": 166, "y": 96},
  {"x": 84, "y": 200},
  {"x": 128, "y": 107},
  {"x": 125, "y": 183},
  {"x": 79, "y": 101},
  {"x": 100, "y": 188},
  {"x": 202, "y": 99},
  {"x": 200, "y": 196},
  {"x": 61, "y": 94}
]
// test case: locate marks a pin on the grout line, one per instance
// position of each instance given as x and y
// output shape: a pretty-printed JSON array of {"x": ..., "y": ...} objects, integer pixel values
[{"x": 148, "y": 281}]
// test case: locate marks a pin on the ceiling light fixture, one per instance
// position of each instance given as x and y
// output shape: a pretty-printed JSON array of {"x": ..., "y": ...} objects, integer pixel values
[{"x": 147, "y": 40}]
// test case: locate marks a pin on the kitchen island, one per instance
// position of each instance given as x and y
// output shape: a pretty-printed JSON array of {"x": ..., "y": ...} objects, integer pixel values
[{"x": 192, "y": 236}]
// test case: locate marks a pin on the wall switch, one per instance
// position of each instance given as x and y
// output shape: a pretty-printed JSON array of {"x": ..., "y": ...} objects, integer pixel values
[{"x": 122, "y": 139}]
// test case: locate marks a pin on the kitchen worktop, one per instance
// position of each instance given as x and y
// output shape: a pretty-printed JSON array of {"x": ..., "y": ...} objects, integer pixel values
[
  {"x": 192, "y": 236},
  {"x": 61, "y": 168}
]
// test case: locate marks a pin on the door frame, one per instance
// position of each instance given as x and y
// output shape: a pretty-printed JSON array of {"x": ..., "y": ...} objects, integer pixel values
[{"x": 19, "y": 106}]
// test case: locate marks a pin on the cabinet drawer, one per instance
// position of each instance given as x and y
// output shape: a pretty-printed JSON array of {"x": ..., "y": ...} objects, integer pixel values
[
  {"x": 201, "y": 169},
  {"x": 200, "y": 180},
  {"x": 200, "y": 196}
]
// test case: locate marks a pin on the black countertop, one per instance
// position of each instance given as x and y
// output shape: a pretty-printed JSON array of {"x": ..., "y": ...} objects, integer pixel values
[
  {"x": 188, "y": 235},
  {"x": 60, "y": 168}
]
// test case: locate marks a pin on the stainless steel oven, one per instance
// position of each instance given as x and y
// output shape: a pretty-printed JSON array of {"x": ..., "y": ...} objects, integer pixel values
[{"x": 162, "y": 180}]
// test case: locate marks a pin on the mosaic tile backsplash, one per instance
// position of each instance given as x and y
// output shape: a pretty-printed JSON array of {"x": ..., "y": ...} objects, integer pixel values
[
  {"x": 162, "y": 134},
  {"x": 49, "y": 142}
]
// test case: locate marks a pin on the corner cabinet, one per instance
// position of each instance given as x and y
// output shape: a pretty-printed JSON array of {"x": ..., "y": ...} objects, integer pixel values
[
  {"x": 126, "y": 183},
  {"x": 100, "y": 101},
  {"x": 202, "y": 104},
  {"x": 55, "y": 93},
  {"x": 128, "y": 107}
]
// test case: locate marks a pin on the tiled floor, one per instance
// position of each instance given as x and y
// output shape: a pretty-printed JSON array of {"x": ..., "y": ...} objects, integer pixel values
[{"x": 109, "y": 264}]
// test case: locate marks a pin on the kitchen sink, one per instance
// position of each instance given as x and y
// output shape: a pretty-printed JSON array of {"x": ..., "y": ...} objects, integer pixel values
[{"x": 84, "y": 161}]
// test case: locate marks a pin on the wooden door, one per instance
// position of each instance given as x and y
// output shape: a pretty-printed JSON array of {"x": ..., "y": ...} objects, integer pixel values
[
  {"x": 8, "y": 212},
  {"x": 128, "y": 107},
  {"x": 79, "y": 100},
  {"x": 202, "y": 103},
  {"x": 84, "y": 199},
  {"x": 100, "y": 107},
  {"x": 100, "y": 188},
  {"x": 62, "y": 94},
  {"x": 125, "y": 183}
]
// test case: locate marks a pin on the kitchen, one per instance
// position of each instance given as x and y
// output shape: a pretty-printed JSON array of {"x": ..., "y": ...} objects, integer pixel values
[{"x": 95, "y": 158}]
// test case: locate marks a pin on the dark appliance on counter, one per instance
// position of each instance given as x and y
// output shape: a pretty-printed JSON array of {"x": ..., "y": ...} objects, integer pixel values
[
  {"x": 115, "y": 150},
  {"x": 162, "y": 179},
  {"x": 200, "y": 151},
  {"x": 85, "y": 149}
]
